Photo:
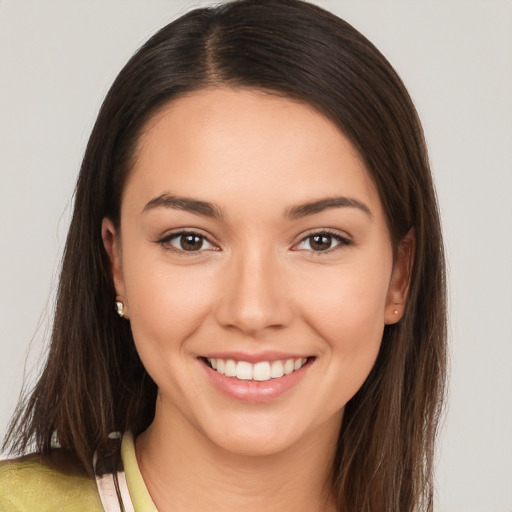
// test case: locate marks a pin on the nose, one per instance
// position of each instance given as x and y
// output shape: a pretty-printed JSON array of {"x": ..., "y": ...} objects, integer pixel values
[{"x": 254, "y": 296}]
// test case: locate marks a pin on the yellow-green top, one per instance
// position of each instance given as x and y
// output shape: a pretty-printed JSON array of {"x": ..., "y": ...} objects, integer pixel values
[{"x": 30, "y": 484}]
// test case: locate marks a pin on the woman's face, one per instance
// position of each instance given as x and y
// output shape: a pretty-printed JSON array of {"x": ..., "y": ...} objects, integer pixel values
[{"x": 253, "y": 241}]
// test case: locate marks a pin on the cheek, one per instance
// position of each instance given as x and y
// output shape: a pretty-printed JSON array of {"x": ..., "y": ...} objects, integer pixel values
[
  {"x": 348, "y": 299},
  {"x": 166, "y": 303},
  {"x": 346, "y": 309}
]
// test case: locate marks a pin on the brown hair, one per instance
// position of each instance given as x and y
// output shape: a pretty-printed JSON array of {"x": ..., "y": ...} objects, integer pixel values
[{"x": 94, "y": 383}]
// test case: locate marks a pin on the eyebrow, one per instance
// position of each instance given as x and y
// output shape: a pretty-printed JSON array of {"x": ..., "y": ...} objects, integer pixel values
[
  {"x": 211, "y": 210},
  {"x": 327, "y": 203},
  {"x": 185, "y": 203}
]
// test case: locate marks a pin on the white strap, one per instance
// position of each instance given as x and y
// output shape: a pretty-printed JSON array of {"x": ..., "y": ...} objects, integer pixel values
[{"x": 108, "y": 495}]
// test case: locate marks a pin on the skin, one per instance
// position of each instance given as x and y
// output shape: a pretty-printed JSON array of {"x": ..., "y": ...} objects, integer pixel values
[{"x": 256, "y": 284}]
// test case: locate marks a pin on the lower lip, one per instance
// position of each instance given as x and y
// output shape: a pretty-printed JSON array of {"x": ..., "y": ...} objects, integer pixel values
[{"x": 255, "y": 391}]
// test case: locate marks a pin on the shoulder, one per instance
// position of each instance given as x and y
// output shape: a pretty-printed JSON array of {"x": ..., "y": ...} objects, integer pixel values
[{"x": 30, "y": 483}]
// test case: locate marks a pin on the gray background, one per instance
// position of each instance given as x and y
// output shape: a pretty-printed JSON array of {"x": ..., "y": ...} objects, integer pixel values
[{"x": 57, "y": 60}]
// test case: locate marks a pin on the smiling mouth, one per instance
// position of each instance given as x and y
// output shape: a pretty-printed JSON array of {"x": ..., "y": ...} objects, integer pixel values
[{"x": 261, "y": 371}]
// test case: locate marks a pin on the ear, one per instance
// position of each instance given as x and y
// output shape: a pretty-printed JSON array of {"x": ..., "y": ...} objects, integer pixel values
[
  {"x": 112, "y": 244},
  {"x": 400, "y": 279}
]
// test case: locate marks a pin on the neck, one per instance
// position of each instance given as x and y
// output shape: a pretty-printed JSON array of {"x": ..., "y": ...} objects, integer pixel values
[{"x": 184, "y": 471}]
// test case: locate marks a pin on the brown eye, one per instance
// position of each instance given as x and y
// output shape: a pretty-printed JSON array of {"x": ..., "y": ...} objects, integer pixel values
[
  {"x": 187, "y": 242},
  {"x": 322, "y": 242},
  {"x": 191, "y": 242}
]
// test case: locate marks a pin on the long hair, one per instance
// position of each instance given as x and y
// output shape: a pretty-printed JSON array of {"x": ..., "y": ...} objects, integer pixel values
[{"x": 94, "y": 383}]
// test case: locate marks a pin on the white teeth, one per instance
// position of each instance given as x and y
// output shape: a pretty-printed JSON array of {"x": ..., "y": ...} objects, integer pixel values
[
  {"x": 262, "y": 371},
  {"x": 276, "y": 369},
  {"x": 244, "y": 370},
  {"x": 288, "y": 366},
  {"x": 230, "y": 368}
]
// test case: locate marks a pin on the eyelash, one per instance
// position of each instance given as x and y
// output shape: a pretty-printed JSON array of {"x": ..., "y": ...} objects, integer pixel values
[
  {"x": 166, "y": 241},
  {"x": 342, "y": 241}
]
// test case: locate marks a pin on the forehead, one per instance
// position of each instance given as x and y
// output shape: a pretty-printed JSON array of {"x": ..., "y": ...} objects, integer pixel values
[{"x": 237, "y": 143}]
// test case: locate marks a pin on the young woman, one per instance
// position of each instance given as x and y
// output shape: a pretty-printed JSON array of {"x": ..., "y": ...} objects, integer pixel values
[{"x": 251, "y": 306}]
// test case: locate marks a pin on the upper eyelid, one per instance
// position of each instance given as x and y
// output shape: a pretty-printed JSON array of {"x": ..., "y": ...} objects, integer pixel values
[
  {"x": 329, "y": 231},
  {"x": 165, "y": 242},
  {"x": 186, "y": 231}
]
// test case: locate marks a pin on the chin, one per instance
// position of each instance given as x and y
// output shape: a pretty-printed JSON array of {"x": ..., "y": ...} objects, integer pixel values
[
  {"x": 259, "y": 443},
  {"x": 264, "y": 435}
]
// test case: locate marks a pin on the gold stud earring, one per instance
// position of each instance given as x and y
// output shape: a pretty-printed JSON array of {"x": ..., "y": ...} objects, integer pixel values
[{"x": 120, "y": 308}]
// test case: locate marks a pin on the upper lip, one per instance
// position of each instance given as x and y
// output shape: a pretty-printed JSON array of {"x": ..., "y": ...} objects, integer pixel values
[{"x": 254, "y": 357}]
